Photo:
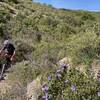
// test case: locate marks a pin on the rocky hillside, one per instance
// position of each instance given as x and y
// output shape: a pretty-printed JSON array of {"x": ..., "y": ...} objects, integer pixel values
[{"x": 43, "y": 35}]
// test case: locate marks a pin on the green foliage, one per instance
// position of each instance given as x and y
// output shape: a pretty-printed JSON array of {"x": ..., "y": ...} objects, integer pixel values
[
  {"x": 4, "y": 17},
  {"x": 63, "y": 29},
  {"x": 72, "y": 85},
  {"x": 44, "y": 34},
  {"x": 23, "y": 50},
  {"x": 24, "y": 73},
  {"x": 15, "y": 1},
  {"x": 87, "y": 16}
]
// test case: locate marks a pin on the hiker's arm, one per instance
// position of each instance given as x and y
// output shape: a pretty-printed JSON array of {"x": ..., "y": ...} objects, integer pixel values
[
  {"x": 3, "y": 48},
  {"x": 13, "y": 56}
]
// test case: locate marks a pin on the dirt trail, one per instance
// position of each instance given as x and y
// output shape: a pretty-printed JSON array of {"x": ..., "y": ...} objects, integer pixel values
[{"x": 4, "y": 85}]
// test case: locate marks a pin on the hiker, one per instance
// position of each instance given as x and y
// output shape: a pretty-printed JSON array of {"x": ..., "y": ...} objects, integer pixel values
[{"x": 8, "y": 51}]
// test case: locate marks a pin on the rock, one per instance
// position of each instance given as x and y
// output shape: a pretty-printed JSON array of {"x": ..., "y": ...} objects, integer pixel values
[
  {"x": 33, "y": 89},
  {"x": 66, "y": 61},
  {"x": 82, "y": 68},
  {"x": 95, "y": 66}
]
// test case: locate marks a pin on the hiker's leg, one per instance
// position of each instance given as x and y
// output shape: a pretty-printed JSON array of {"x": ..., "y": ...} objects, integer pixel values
[
  {"x": 0, "y": 66},
  {"x": 8, "y": 63}
]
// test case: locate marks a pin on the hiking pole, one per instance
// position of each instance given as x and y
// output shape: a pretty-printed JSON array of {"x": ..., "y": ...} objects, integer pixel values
[{"x": 2, "y": 71}]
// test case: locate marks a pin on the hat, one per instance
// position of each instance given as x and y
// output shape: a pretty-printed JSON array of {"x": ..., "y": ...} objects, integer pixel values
[{"x": 6, "y": 42}]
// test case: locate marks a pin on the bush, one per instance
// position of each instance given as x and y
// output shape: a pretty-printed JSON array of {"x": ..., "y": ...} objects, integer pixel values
[
  {"x": 24, "y": 73},
  {"x": 70, "y": 84},
  {"x": 87, "y": 16},
  {"x": 4, "y": 18},
  {"x": 23, "y": 50}
]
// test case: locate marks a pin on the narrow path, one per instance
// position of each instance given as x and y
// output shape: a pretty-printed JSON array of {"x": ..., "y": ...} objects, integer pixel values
[{"x": 4, "y": 86}]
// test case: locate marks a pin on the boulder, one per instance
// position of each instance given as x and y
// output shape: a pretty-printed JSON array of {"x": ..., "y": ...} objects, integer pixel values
[
  {"x": 33, "y": 89},
  {"x": 66, "y": 61},
  {"x": 96, "y": 66}
]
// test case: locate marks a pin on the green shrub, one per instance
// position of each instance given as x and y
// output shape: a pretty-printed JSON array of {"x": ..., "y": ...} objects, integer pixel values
[
  {"x": 70, "y": 84},
  {"x": 23, "y": 50},
  {"x": 88, "y": 16},
  {"x": 24, "y": 72}
]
